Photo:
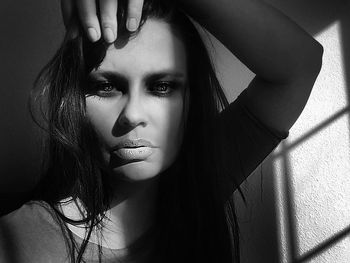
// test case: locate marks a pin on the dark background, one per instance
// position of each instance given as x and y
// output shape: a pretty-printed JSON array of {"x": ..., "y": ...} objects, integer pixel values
[{"x": 30, "y": 32}]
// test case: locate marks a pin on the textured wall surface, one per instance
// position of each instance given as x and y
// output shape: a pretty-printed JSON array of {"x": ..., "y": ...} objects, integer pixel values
[{"x": 298, "y": 200}]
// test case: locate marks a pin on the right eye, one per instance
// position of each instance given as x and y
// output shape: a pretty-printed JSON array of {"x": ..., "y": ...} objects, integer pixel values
[{"x": 105, "y": 89}]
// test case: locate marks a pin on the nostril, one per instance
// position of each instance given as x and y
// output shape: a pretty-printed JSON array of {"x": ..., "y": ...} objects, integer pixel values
[
  {"x": 124, "y": 124},
  {"x": 125, "y": 121},
  {"x": 132, "y": 115}
]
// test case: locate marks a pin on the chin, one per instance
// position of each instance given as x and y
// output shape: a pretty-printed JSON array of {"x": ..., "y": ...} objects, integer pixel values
[{"x": 137, "y": 171}]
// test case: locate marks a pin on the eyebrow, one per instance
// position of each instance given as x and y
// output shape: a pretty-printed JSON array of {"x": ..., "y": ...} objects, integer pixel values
[{"x": 149, "y": 77}]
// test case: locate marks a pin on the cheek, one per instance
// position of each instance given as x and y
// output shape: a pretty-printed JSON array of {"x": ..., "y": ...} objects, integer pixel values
[
  {"x": 102, "y": 116},
  {"x": 169, "y": 128},
  {"x": 164, "y": 126}
]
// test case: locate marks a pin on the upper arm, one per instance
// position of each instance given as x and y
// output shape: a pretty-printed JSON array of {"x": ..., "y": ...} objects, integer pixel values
[{"x": 279, "y": 104}]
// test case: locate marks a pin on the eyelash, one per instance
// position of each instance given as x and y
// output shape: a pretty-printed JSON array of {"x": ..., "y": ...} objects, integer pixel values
[
  {"x": 170, "y": 85},
  {"x": 100, "y": 89}
]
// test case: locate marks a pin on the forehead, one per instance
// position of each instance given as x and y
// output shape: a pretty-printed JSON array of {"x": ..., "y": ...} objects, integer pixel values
[{"x": 155, "y": 48}]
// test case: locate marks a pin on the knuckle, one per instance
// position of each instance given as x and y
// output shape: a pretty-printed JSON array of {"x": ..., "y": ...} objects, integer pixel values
[
  {"x": 134, "y": 10},
  {"x": 108, "y": 23},
  {"x": 89, "y": 24},
  {"x": 108, "y": 19},
  {"x": 89, "y": 21}
]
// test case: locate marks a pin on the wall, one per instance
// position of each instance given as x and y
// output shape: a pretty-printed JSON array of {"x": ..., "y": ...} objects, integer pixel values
[
  {"x": 298, "y": 200},
  {"x": 30, "y": 33}
]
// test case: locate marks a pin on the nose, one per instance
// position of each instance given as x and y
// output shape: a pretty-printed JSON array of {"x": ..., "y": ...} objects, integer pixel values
[{"x": 133, "y": 113}]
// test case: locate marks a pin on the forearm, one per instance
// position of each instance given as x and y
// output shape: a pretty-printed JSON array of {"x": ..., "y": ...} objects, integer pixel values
[{"x": 265, "y": 40}]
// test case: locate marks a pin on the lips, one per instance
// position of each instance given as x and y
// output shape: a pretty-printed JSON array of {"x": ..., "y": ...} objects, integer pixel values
[
  {"x": 133, "y": 149},
  {"x": 133, "y": 144}
]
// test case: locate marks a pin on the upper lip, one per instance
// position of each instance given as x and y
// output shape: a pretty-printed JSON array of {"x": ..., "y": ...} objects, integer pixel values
[{"x": 129, "y": 143}]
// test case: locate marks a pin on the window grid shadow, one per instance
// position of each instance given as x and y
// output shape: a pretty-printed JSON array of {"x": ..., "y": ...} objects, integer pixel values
[{"x": 292, "y": 240}]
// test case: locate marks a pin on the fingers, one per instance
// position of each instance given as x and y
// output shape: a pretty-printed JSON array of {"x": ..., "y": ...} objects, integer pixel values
[
  {"x": 134, "y": 14},
  {"x": 89, "y": 20},
  {"x": 108, "y": 12},
  {"x": 107, "y": 22}
]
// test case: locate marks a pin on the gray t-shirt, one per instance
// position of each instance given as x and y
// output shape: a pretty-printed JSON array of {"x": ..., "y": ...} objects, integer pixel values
[{"x": 30, "y": 234}]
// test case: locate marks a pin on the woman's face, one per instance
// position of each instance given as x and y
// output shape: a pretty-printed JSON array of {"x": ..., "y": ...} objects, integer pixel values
[{"x": 136, "y": 103}]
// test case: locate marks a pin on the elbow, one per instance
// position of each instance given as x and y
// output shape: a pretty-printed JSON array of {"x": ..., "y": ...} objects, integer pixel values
[
  {"x": 306, "y": 67},
  {"x": 312, "y": 63},
  {"x": 317, "y": 58},
  {"x": 305, "y": 63},
  {"x": 310, "y": 66}
]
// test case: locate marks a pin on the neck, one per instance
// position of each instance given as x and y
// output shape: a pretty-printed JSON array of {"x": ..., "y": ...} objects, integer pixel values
[{"x": 132, "y": 213}]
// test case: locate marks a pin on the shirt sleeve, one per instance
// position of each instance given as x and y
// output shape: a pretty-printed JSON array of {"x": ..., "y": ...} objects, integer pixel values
[{"x": 245, "y": 141}]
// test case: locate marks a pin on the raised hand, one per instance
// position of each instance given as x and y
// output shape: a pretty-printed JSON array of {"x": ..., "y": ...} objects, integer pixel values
[{"x": 106, "y": 22}]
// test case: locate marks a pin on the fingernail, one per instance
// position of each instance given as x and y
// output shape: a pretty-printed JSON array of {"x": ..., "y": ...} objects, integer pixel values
[
  {"x": 132, "y": 26},
  {"x": 92, "y": 33},
  {"x": 108, "y": 34}
]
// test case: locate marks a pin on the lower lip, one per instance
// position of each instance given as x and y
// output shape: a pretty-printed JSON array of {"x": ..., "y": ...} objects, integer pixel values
[{"x": 139, "y": 153}]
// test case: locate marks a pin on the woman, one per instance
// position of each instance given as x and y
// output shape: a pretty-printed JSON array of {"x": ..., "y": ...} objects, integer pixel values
[{"x": 141, "y": 160}]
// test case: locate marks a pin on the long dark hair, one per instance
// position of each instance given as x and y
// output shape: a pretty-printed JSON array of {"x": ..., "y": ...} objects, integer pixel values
[{"x": 196, "y": 221}]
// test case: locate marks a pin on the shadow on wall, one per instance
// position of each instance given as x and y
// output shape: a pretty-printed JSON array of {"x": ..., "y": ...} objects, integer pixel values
[
  {"x": 263, "y": 244},
  {"x": 314, "y": 16},
  {"x": 258, "y": 216},
  {"x": 339, "y": 11}
]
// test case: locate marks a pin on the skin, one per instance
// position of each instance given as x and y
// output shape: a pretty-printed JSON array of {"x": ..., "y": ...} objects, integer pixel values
[
  {"x": 285, "y": 58},
  {"x": 138, "y": 104},
  {"x": 108, "y": 24},
  {"x": 137, "y": 111}
]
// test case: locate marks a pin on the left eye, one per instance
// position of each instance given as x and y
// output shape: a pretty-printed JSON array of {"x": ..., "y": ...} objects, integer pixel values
[{"x": 162, "y": 88}]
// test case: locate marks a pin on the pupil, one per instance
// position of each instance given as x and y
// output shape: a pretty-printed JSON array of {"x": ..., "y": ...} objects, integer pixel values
[
  {"x": 108, "y": 87},
  {"x": 162, "y": 87}
]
